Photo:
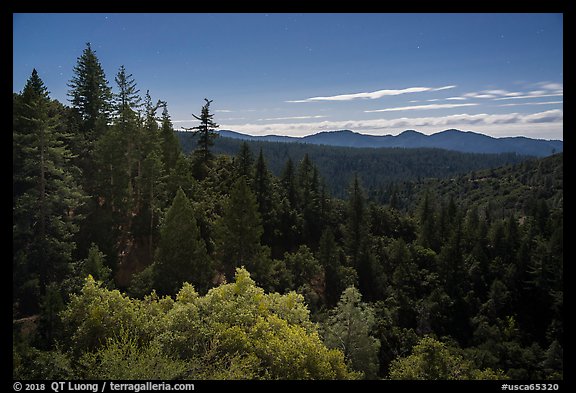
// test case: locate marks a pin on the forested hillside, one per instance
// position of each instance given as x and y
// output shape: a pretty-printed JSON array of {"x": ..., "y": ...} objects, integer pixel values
[
  {"x": 501, "y": 191},
  {"x": 134, "y": 260},
  {"x": 377, "y": 169}
]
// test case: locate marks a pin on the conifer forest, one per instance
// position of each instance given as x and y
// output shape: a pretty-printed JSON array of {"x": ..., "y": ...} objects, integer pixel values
[{"x": 137, "y": 258}]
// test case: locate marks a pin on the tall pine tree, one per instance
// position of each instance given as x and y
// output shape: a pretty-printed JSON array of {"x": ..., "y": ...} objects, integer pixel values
[
  {"x": 268, "y": 203},
  {"x": 170, "y": 145},
  {"x": 240, "y": 230},
  {"x": 91, "y": 99},
  {"x": 206, "y": 135},
  {"x": 244, "y": 162},
  {"x": 46, "y": 197},
  {"x": 181, "y": 255}
]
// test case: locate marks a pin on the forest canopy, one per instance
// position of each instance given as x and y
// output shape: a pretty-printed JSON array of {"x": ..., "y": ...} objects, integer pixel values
[{"x": 135, "y": 260}]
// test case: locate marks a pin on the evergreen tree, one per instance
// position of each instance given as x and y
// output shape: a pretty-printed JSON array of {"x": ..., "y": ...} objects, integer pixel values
[
  {"x": 244, "y": 162},
  {"x": 290, "y": 217},
  {"x": 356, "y": 240},
  {"x": 329, "y": 259},
  {"x": 427, "y": 236},
  {"x": 348, "y": 329},
  {"x": 50, "y": 325},
  {"x": 303, "y": 266},
  {"x": 151, "y": 139},
  {"x": 263, "y": 186},
  {"x": 150, "y": 181},
  {"x": 356, "y": 225},
  {"x": 153, "y": 196},
  {"x": 181, "y": 255},
  {"x": 404, "y": 281},
  {"x": 170, "y": 146},
  {"x": 46, "y": 197},
  {"x": 95, "y": 266},
  {"x": 206, "y": 135},
  {"x": 268, "y": 203},
  {"x": 288, "y": 181},
  {"x": 91, "y": 100},
  {"x": 127, "y": 101},
  {"x": 239, "y": 231},
  {"x": 117, "y": 155},
  {"x": 308, "y": 184},
  {"x": 90, "y": 94}
]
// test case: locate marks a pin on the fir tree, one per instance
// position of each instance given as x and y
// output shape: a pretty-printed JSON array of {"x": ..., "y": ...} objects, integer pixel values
[
  {"x": 181, "y": 255},
  {"x": 268, "y": 201},
  {"x": 170, "y": 146},
  {"x": 357, "y": 225},
  {"x": 95, "y": 266},
  {"x": 348, "y": 329},
  {"x": 288, "y": 181},
  {"x": 126, "y": 105},
  {"x": 90, "y": 94},
  {"x": 91, "y": 99},
  {"x": 427, "y": 236},
  {"x": 117, "y": 156},
  {"x": 206, "y": 135},
  {"x": 46, "y": 198},
  {"x": 240, "y": 230},
  {"x": 244, "y": 162},
  {"x": 308, "y": 184}
]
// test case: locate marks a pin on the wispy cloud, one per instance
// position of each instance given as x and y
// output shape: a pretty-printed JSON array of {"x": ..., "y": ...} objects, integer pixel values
[
  {"x": 546, "y": 89},
  {"x": 231, "y": 118},
  {"x": 440, "y": 99},
  {"x": 479, "y": 95},
  {"x": 550, "y": 85},
  {"x": 233, "y": 110},
  {"x": 534, "y": 103},
  {"x": 292, "y": 118},
  {"x": 374, "y": 94},
  {"x": 183, "y": 121},
  {"x": 545, "y": 117},
  {"x": 420, "y": 107},
  {"x": 531, "y": 94}
]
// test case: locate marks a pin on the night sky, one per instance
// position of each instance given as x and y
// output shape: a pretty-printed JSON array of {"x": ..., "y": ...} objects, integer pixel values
[{"x": 298, "y": 74}]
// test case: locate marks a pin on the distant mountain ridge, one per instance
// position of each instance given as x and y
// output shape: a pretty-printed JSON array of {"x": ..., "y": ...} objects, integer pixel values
[{"x": 456, "y": 140}]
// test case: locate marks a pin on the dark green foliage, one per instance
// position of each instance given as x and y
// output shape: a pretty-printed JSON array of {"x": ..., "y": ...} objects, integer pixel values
[
  {"x": 386, "y": 173},
  {"x": 181, "y": 255},
  {"x": 91, "y": 100},
  {"x": 239, "y": 233},
  {"x": 267, "y": 195},
  {"x": 94, "y": 265},
  {"x": 170, "y": 145},
  {"x": 458, "y": 257},
  {"x": 205, "y": 133},
  {"x": 310, "y": 201},
  {"x": 46, "y": 197},
  {"x": 90, "y": 94},
  {"x": 244, "y": 162},
  {"x": 126, "y": 101},
  {"x": 30, "y": 363}
]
